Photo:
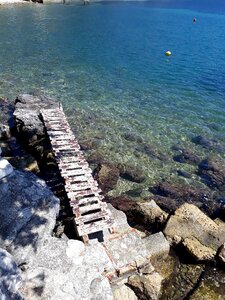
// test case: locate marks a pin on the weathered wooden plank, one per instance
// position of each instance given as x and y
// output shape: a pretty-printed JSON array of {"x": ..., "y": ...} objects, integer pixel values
[
  {"x": 90, "y": 207},
  {"x": 80, "y": 186},
  {"x": 83, "y": 171},
  {"x": 73, "y": 159},
  {"x": 93, "y": 227},
  {"x": 84, "y": 201},
  {"x": 67, "y": 148},
  {"x": 78, "y": 178},
  {"x": 91, "y": 217},
  {"x": 72, "y": 164},
  {"x": 64, "y": 141},
  {"x": 90, "y": 192}
]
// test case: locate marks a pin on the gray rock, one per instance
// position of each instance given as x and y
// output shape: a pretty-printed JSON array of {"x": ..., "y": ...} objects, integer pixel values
[
  {"x": 29, "y": 125},
  {"x": 26, "y": 199},
  {"x": 124, "y": 292},
  {"x": 5, "y": 168},
  {"x": 146, "y": 287},
  {"x": 10, "y": 277},
  {"x": 151, "y": 213},
  {"x": 66, "y": 270},
  {"x": 199, "y": 234},
  {"x": 52, "y": 268}
]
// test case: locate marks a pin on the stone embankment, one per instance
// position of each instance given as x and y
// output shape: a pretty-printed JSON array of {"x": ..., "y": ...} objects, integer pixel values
[{"x": 128, "y": 264}]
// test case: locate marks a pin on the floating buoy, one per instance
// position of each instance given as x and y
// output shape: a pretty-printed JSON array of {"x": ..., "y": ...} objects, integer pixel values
[{"x": 168, "y": 53}]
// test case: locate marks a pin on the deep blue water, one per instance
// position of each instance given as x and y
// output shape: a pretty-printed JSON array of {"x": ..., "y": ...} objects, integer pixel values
[{"x": 106, "y": 63}]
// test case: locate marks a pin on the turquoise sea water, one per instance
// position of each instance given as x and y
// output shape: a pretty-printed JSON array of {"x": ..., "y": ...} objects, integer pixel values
[{"x": 106, "y": 63}]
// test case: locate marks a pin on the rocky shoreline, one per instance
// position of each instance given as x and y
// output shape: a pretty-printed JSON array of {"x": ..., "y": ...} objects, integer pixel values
[{"x": 43, "y": 259}]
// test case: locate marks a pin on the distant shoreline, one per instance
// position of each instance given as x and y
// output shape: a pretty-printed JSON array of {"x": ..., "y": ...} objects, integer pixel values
[{"x": 9, "y": 2}]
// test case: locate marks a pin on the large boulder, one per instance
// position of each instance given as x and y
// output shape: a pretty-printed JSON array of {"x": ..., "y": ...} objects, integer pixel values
[
  {"x": 10, "y": 277},
  {"x": 150, "y": 213},
  {"x": 28, "y": 214},
  {"x": 146, "y": 287},
  {"x": 51, "y": 268},
  {"x": 29, "y": 125},
  {"x": 124, "y": 292},
  {"x": 200, "y": 235}
]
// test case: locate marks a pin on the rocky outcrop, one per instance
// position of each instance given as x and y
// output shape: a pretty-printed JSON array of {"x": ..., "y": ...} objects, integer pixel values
[
  {"x": 29, "y": 125},
  {"x": 51, "y": 268},
  {"x": 200, "y": 235},
  {"x": 10, "y": 277},
  {"x": 26, "y": 199},
  {"x": 67, "y": 270}
]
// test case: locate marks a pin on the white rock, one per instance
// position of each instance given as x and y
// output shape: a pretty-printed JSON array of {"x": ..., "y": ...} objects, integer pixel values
[{"x": 5, "y": 168}]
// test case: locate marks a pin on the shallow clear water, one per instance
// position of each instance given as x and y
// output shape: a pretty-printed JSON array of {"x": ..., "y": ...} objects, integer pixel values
[{"x": 106, "y": 64}]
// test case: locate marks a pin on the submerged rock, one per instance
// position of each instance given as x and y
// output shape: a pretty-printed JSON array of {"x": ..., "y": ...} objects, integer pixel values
[
  {"x": 207, "y": 143},
  {"x": 200, "y": 235},
  {"x": 88, "y": 144},
  {"x": 212, "y": 170},
  {"x": 132, "y": 137},
  {"x": 182, "y": 281},
  {"x": 170, "y": 195},
  {"x": 131, "y": 173},
  {"x": 187, "y": 157},
  {"x": 151, "y": 151},
  {"x": 107, "y": 176}
]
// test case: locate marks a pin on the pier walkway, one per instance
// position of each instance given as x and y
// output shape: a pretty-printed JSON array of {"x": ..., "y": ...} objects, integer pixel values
[
  {"x": 123, "y": 250},
  {"x": 91, "y": 215}
]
